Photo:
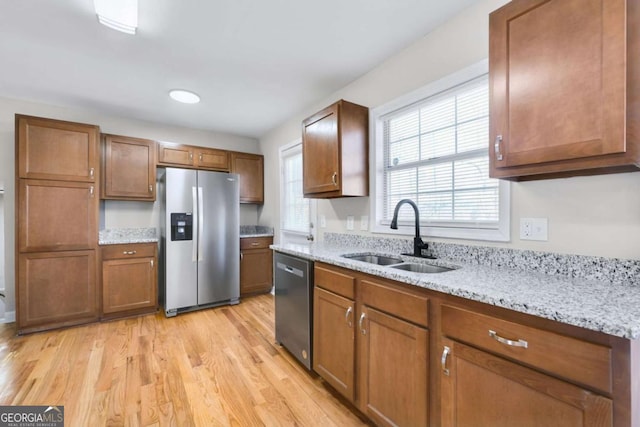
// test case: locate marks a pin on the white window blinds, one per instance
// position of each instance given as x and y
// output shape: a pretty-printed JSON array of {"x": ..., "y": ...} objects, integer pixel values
[
  {"x": 295, "y": 209},
  {"x": 435, "y": 153}
]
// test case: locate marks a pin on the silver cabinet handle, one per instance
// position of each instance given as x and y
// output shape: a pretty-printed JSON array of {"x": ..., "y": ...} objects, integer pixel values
[
  {"x": 512, "y": 343},
  {"x": 91, "y": 191},
  {"x": 255, "y": 244},
  {"x": 241, "y": 256},
  {"x": 362, "y": 329},
  {"x": 200, "y": 157},
  {"x": 348, "y": 317},
  {"x": 128, "y": 252},
  {"x": 190, "y": 156},
  {"x": 150, "y": 188},
  {"x": 443, "y": 360},
  {"x": 91, "y": 172},
  {"x": 334, "y": 178},
  {"x": 496, "y": 147},
  {"x": 151, "y": 263}
]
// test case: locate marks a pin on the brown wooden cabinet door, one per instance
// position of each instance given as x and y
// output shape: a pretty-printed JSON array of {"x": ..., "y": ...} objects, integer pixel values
[
  {"x": 57, "y": 215},
  {"x": 170, "y": 154},
  {"x": 333, "y": 341},
  {"x": 129, "y": 284},
  {"x": 209, "y": 158},
  {"x": 321, "y": 152},
  {"x": 256, "y": 271},
  {"x": 558, "y": 85},
  {"x": 56, "y": 289},
  {"x": 56, "y": 150},
  {"x": 482, "y": 390},
  {"x": 393, "y": 369},
  {"x": 129, "y": 168},
  {"x": 250, "y": 167}
]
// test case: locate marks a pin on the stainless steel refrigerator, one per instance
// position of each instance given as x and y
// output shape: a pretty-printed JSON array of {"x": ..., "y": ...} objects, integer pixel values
[{"x": 199, "y": 239}]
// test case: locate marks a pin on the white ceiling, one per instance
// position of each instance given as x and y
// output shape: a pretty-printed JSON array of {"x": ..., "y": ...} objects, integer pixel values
[{"x": 255, "y": 63}]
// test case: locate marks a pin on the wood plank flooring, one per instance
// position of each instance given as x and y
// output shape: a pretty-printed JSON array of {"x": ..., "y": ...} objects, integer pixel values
[{"x": 216, "y": 367}]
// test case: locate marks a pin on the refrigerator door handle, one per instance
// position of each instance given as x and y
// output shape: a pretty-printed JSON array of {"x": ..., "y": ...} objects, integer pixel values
[
  {"x": 200, "y": 221},
  {"x": 194, "y": 247}
]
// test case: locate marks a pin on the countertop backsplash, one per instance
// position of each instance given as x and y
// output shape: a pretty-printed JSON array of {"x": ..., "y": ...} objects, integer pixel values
[{"x": 575, "y": 266}]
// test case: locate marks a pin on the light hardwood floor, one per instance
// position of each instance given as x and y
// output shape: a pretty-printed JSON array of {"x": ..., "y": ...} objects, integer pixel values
[{"x": 216, "y": 367}]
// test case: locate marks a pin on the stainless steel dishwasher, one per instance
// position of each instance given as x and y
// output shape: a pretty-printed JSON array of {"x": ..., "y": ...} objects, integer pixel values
[{"x": 294, "y": 305}]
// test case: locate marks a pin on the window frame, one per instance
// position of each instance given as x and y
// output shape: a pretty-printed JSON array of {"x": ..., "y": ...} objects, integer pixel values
[
  {"x": 500, "y": 233},
  {"x": 288, "y": 235}
]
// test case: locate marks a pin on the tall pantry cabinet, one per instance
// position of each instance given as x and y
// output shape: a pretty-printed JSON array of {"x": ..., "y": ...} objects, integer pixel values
[{"x": 57, "y": 199}]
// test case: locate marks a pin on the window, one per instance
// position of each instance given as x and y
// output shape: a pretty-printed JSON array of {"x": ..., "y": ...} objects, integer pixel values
[
  {"x": 294, "y": 208},
  {"x": 432, "y": 148}
]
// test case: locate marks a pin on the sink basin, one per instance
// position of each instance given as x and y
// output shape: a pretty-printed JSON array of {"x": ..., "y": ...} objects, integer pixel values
[
  {"x": 374, "y": 259},
  {"x": 422, "y": 268}
]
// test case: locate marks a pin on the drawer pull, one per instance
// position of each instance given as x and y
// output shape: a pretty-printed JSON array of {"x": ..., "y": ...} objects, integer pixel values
[
  {"x": 255, "y": 244},
  {"x": 347, "y": 317},
  {"x": 362, "y": 329},
  {"x": 512, "y": 343},
  {"x": 443, "y": 360},
  {"x": 129, "y": 253}
]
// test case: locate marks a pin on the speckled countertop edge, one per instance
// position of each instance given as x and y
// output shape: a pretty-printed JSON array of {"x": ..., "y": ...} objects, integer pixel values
[
  {"x": 255, "y": 231},
  {"x": 119, "y": 236},
  {"x": 612, "y": 308}
]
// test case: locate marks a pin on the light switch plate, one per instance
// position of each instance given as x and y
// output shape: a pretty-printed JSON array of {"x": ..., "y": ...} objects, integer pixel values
[
  {"x": 323, "y": 221},
  {"x": 364, "y": 222},
  {"x": 350, "y": 222}
]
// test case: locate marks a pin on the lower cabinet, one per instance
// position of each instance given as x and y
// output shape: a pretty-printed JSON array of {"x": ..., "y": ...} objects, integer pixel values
[
  {"x": 56, "y": 289},
  {"x": 372, "y": 348},
  {"x": 483, "y": 390},
  {"x": 256, "y": 265},
  {"x": 129, "y": 279}
]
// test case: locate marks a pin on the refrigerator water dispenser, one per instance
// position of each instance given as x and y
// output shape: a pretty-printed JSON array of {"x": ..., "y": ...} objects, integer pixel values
[{"x": 181, "y": 226}]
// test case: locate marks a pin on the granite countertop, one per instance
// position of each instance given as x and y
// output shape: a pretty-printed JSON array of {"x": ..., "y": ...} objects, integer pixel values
[
  {"x": 255, "y": 231},
  {"x": 118, "y": 236},
  {"x": 612, "y": 307}
]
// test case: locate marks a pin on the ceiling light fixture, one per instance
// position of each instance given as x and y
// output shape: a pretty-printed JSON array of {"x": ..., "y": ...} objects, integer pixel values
[
  {"x": 184, "y": 96},
  {"x": 120, "y": 15}
]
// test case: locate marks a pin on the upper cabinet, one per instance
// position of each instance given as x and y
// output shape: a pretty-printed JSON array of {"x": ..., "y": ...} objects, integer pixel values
[
  {"x": 335, "y": 150},
  {"x": 564, "y": 85},
  {"x": 129, "y": 168},
  {"x": 56, "y": 150},
  {"x": 170, "y": 154},
  {"x": 250, "y": 167}
]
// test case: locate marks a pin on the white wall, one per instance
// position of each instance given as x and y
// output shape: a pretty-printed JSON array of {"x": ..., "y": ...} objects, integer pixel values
[
  {"x": 598, "y": 215},
  {"x": 117, "y": 214}
]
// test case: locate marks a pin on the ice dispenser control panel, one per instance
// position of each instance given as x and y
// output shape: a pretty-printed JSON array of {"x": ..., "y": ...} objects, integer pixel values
[{"x": 182, "y": 226}]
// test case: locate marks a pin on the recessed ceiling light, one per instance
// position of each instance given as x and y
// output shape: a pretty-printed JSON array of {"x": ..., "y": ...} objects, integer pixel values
[
  {"x": 184, "y": 96},
  {"x": 121, "y": 15}
]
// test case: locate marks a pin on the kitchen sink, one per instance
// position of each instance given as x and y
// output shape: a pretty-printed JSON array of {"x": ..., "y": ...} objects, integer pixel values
[
  {"x": 374, "y": 259},
  {"x": 421, "y": 268}
]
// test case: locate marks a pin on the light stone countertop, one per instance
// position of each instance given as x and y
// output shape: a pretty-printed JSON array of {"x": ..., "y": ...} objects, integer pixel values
[
  {"x": 255, "y": 231},
  {"x": 612, "y": 307},
  {"x": 119, "y": 236}
]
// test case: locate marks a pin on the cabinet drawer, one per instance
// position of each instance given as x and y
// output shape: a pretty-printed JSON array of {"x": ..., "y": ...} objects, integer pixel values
[
  {"x": 132, "y": 250},
  {"x": 339, "y": 283},
  {"x": 255, "y": 242},
  {"x": 571, "y": 358},
  {"x": 414, "y": 308}
]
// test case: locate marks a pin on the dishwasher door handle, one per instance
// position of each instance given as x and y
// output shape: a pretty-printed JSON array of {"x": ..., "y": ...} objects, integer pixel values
[{"x": 290, "y": 270}]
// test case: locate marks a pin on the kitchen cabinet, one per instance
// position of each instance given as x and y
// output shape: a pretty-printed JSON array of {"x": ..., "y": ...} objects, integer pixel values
[
  {"x": 129, "y": 279},
  {"x": 250, "y": 167},
  {"x": 56, "y": 150},
  {"x": 56, "y": 289},
  {"x": 372, "y": 345},
  {"x": 484, "y": 390},
  {"x": 56, "y": 215},
  {"x": 335, "y": 151},
  {"x": 128, "y": 168},
  {"x": 564, "y": 88},
  {"x": 256, "y": 265},
  {"x": 179, "y": 155},
  {"x": 57, "y": 223}
]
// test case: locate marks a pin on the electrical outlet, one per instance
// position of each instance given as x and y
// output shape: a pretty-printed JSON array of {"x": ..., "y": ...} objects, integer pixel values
[
  {"x": 323, "y": 221},
  {"x": 534, "y": 229},
  {"x": 350, "y": 222}
]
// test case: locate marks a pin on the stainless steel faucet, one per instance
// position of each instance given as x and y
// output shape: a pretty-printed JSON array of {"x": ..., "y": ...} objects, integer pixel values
[{"x": 418, "y": 244}]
